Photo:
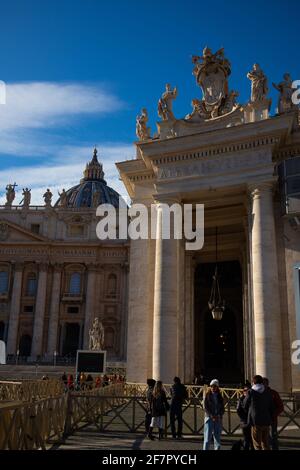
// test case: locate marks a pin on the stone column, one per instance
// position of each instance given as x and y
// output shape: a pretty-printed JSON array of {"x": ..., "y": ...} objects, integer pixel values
[
  {"x": 15, "y": 310},
  {"x": 39, "y": 314},
  {"x": 89, "y": 303},
  {"x": 165, "y": 305},
  {"x": 266, "y": 305},
  {"x": 54, "y": 310}
]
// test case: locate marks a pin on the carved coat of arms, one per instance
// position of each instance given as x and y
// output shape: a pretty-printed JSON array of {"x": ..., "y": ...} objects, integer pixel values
[{"x": 211, "y": 72}]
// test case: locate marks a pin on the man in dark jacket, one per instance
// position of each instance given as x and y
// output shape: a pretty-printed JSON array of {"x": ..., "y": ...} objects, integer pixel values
[
  {"x": 178, "y": 396},
  {"x": 278, "y": 408},
  {"x": 259, "y": 406}
]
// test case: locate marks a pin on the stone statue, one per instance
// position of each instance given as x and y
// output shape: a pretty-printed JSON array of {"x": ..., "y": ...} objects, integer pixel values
[
  {"x": 165, "y": 103},
  {"x": 48, "y": 198},
  {"x": 96, "y": 334},
  {"x": 10, "y": 194},
  {"x": 26, "y": 197},
  {"x": 63, "y": 198},
  {"x": 259, "y": 85},
  {"x": 286, "y": 90},
  {"x": 211, "y": 72},
  {"x": 142, "y": 131}
]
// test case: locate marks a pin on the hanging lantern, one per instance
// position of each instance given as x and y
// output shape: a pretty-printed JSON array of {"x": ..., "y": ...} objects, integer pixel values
[{"x": 215, "y": 303}]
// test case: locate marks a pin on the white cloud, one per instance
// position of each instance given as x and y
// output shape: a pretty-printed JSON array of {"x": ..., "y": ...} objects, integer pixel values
[
  {"x": 31, "y": 122},
  {"x": 45, "y": 104},
  {"x": 57, "y": 176}
]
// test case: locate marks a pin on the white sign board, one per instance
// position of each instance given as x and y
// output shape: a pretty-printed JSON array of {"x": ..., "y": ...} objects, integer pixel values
[{"x": 2, "y": 353}]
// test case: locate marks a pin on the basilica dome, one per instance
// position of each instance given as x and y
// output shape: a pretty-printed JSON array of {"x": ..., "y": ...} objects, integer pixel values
[{"x": 92, "y": 189}]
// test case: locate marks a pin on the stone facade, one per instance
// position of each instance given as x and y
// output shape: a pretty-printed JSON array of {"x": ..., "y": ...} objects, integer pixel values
[
  {"x": 59, "y": 276},
  {"x": 228, "y": 161}
]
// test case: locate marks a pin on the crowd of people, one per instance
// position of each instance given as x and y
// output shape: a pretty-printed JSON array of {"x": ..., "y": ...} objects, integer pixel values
[
  {"x": 258, "y": 409},
  {"x": 88, "y": 382}
]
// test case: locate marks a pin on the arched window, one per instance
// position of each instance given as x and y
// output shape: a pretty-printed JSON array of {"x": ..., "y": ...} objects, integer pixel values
[
  {"x": 75, "y": 283},
  {"x": 112, "y": 285},
  {"x": 2, "y": 329},
  {"x": 31, "y": 285},
  {"x": 3, "y": 282},
  {"x": 109, "y": 338}
]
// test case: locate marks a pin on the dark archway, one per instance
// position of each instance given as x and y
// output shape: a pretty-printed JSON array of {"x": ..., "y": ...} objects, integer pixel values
[
  {"x": 71, "y": 340},
  {"x": 219, "y": 344},
  {"x": 2, "y": 330},
  {"x": 25, "y": 345}
]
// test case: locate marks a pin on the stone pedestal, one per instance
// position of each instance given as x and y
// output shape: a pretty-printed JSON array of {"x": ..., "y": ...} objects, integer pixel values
[
  {"x": 266, "y": 304},
  {"x": 257, "y": 111}
]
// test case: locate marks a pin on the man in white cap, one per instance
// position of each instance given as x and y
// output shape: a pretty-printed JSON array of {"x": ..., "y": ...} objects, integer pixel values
[{"x": 214, "y": 410}]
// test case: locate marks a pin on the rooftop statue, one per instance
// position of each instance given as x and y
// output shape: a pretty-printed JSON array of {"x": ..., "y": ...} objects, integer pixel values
[
  {"x": 10, "y": 194},
  {"x": 96, "y": 336},
  {"x": 48, "y": 197},
  {"x": 165, "y": 103},
  {"x": 26, "y": 197},
  {"x": 63, "y": 198},
  {"x": 286, "y": 90},
  {"x": 259, "y": 84},
  {"x": 142, "y": 131},
  {"x": 211, "y": 72}
]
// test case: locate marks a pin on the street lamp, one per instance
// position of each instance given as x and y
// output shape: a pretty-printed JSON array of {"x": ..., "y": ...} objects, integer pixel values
[{"x": 215, "y": 303}]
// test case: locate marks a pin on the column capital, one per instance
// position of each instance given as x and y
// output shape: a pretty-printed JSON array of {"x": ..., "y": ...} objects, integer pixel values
[
  {"x": 18, "y": 266},
  {"x": 43, "y": 266},
  {"x": 257, "y": 189},
  {"x": 57, "y": 267},
  {"x": 93, "y": 267},
  {"x": 167, "y": 198}
]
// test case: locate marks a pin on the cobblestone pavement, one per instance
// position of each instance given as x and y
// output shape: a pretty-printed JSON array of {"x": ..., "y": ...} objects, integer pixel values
[{"x": 90, "y": 438}]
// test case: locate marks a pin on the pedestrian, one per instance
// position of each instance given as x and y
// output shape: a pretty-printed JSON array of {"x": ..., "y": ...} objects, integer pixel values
[
  {"x": 260, "y": 408},
  {"x": 278, "y": 409},
  {"x": 149, "y": 398},
  {"x": 243, "y": 415},
  {"x": 178, "y": 395},
  {"x": 214, "y": 410},
  {"x": 160, "y": 407}
]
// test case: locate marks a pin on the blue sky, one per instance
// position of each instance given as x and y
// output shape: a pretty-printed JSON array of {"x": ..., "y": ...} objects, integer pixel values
[{"x": 78, "y": 72}]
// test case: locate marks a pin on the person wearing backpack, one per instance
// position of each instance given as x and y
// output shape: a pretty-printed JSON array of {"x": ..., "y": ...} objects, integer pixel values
[
  {"x": 278, "y": 409},
  {"x": 178, "y": 395}
]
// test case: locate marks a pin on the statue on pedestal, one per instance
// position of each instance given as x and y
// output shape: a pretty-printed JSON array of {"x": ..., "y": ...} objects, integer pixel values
[
  {"x": 63, "y": 198},
  {"x": 48, "y": 198},
  {"x": 26, "y": 197},
  {"x": 259, "y": 84},
  {"x": 96, "y": 336},
  {"x": 164, "y": 108},
  {"x": 142, "y": 131},
  {"x": 10, "y": 194},
  {"x": 286, "y": 90}
]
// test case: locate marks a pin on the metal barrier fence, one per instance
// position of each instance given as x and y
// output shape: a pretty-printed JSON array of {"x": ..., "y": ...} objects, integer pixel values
[
  {"x": 29, "y": 390},
  {"x": 118, "y": 407},
  {"x": 126, "y": 413},
  {"x": 39, "y": 424}
]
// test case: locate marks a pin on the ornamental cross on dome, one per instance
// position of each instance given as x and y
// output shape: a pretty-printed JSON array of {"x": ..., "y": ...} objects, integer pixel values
[{"x": 211, "y": 72}]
